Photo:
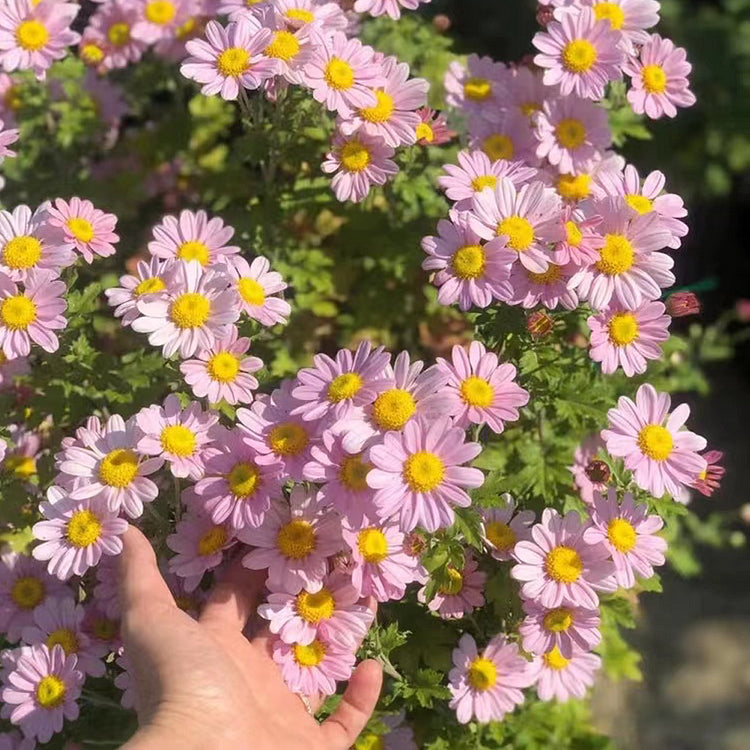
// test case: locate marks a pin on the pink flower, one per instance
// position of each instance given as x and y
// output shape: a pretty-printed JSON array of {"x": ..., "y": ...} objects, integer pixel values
[
  {"x": 551, "y": 288},
  {"x": 461, "y": 594},
  {"x": 582, "y": 240},
  {"x": 524, "y": 91},
  {"x": 629, "y": 17},
  {"x": 179, "y": 436},
  {"x": 32, "y": 314},
  {"x": 585, "y": 462},
  {"x": 148, "y": 279},
  {"x": 476, "y": 88},
  {"x": 681, "y": 304},
  {"x": 88, "y": 229},
  {"x": 661, "y": 456},
  {"x": 7, "y": 137},
  {"x": 710, "y": 479},
  {"x": 110, "y": 35},
  {"x": 561, "y": 678},
  {"x": 503, "y": 527},
  {"x": 480, "y": 390},
  {"x": 486, "y": 685},
  {"x": 324, "y": 17},
  {"x": 259, "y": 290},
  {"x": 659, "y": 79},
  {"x": 580, "y": 53},
  {"x": 566, "y": 628},
  {"x": 160, "y": 19},
  {"x": 418, "y": 473},
  {"x": 40, "y": 689},
  {"x": 432, "y": 129},
  {"x": 392, "y": 8},
  {"x": 557, "y": 564},
  {"x": 508, "y": 138}
]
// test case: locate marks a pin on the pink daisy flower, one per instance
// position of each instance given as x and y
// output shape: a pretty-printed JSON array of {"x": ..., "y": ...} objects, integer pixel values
[
  {"x": 508, "y": 138},
  {"x": 160, "y": 19},
  {"x": 629, "y": 17},
  {"x": 476, "y": 88},
  {"x": 502, "y": 527},
  {"x": 528, "y": 218},
  {"x": 576, "y": 187},
  {"x": 294, "y": 543},
  {"x": 580, "y": 53},
  {"x": 659, "y": 79},
  {"x": 325, "y": 17},
  {"x": 630, "y": 535},
  {"x": 357, "y": 163},
  {"x": 40, "y": 689},
  {"x": 460, "y": 594},
  {"x": 108, "y": 465},
  {"x": 223, "y": 371},
  {"x": 391, "y": 8},
  {"x": 560, "y": 678},
  {"x": 102, "y": 630},
  {"x": 486, "y": 685},
  {"x": 585, "y": 465},
  {"x": 7, "y": 137},
  {"x": 148, "y": 279},
  {"x": 197, "y": 309},
  {"x": 293, "y": 50},
  {"x": 419, "y": 475},
  {"x": 557, "y": 564},
  {"x": 709, "y": 479},
  {"x": 525, "y": 91},
  {"x": 88, "y": 229},
  {"x": 661, "y": 455},
  {"x": 432, "y": 129},
  {"x": 620, "y": 338},
  {"x": 230, "y": 58},
  {"x": 566, "y": 628},
  {"x": 551, "y": 288},
  {"x": 109, "y": 36},
  {"x": 480, "y": 390},
  {"x": 179, "y": 436},
  {"x": 582, "y": 241},
  {"x": 76, "y": 533},
  {"x": 32, "y": 314},
  {"x": 259, "y": 290}
]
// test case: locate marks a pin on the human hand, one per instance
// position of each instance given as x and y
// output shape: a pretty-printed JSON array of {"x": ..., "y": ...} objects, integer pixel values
[{"x": 205, "y": 684}]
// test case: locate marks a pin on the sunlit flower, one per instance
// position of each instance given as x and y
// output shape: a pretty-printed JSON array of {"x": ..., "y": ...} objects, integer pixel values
[
  {"x": 461, "y": 592},
  {"x": 88, "y": 229},
  {"x": 147, "y": 279},
  {"x": 432, "y": 129},
  {"x": 259, "y": 290},
  {"x": 108, "y": 42},
  {"x": 567, "y": 628},
  {"x": 559, "y": 678},
  {"x": 477, "y": 87}
]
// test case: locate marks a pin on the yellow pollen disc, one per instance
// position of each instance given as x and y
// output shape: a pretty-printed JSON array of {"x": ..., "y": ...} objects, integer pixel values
[
  {"x": 353, "y": 473},
  {"x": 32, "y": 35},
  {"x": 149, "y": 286},
  {"x": 104, "y": 629},
  {"x": 223, "y": 367},
  {"x": 233, "y": 62},
  {"x": 83, "y": 529},
  {"x": 501, "y": 536},
  {"x": 251, "y": 292},
  {"x": 299, "y": 14},
  {"x": 550, "y": 276},
  {"x": 468, "y": 262},
  {"x": 483, "y": 181},
  {"x": 339, "y": 75},
  {"x": 50, "y": 692},
  {"x": 373, "y": 545},
  {"x": 640, "y": 203},
  {"x": 160, "y": 12},
  {"x": 623, "y": 329},
  {"x": 563, "y": 564},
  {"x": 369, "y": 741},
  {"x": 621, "y": 534},
  {"x": 519, "y": 231},
  {"x": 90, "y": 53},
  {"x": 309, "y": 656},
  {"x": 393, "y": 409},
  {"x": 476, "y": 391},
  {"x": 498, "y": 146},
  {"x": 178, "y": 440},
  {"x": 212, "y": 541},
  {"x": 528, "y": 108},
  {"x": 570, "y": 132},
  {"x": 315, "y": 607},
  {"x": 27, "y": 592},
  {"x": 22, "y": 252},
  {"x": 423, "y": 471},
  {"x": 655, "y": 442},
  {"x": 20, "y": 466},
  {"x": 611, "y": 12},
  {"x": 190, "y": 310},
  {"x": 477, "y": 89},
  {"x": 574, "y": 187},
  {"x": 454, "y": 584},
  {"x": 288, "y": 439},
  {"x": 616, "y": 256},
  {"x": 573, "y": 234},
  {"x": 17, "y": 313},
  {"x": 65, "y": 638},
  {"x": 482, "y": 674},
  {"x": 244, "y": 479},
  {"x": 579, "y": 56},
  {"x": 284, "y": 46},
  {"x": 118, "y": 468},
  {"x": 344, "y": 386},
  {"x": 81, "y": 229},
  {"x": 354, "y": 156},
  {"x": 555, "y": 659},
  {"x": 558, "y": 620},
  {"x": 193, "y": 250},
  {"x": 382, "y": 111},
  {"x": 296, "y": 539},
  {"x": 424, "y": 132},
  {"x": 119, "y": 34},
  {"x": 186, "y": 28},
  {"x": 654, "y": 79}
]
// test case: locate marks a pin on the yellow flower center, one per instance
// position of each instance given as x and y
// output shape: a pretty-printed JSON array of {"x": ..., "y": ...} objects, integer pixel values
[
  {"x": 178, "y": 440},
  {"x": 574, "y": 187},
  {"x": 299, "y": 14},
  {"x": 519, "y": 231},
  {"x": 193, "y": 250},
  {"x": 382, "y": 111},
  {"x": 186, "y": 28},
  {"x": 555, "y": 659},
  {"x": 32, "y": 35},
  {"x": 190, "y": 310},
  {"x": 558, "y": 620},
  {"x": 423, "y": 471},
  {"x": 621, "y": 534},
  {"x": 563, "y": 564},
  {"x": 104, "y": 629},
  {"x": 483, "y": 181},
  {"x": 453, "y": 584},
  {"x": 65, "y": 638},
  {"x": 223, "y": 367},
  {"x": 640, "y": 203},
  {"x": 212, "y": 541},
  {"x": 482, "y": 674},
  {"x": 149, "y": 286},
  {"x": 91, "y": 53},
  {"x": 354, "y": 156},
  {"x": 26, "y": 592},
  {"x": 119, "y": 34},
  {"x": 13, "y": 98},
  {"x": 528, "y": 108},
  {"x": 288, "y": 439},
  {"x": 656, "y": 442},
  {"x": 369, "y": 741},
  {"x": 22, "y": 252},
  {"x": 83, "y": 528},
  {"x": 573, "y": 234},
  {"x": 20, "y": 466},
  {"x": 476, "y": 391},
  {"x": 468, "y": 262},
  {"x": 118, "y": 468},
  {"x": 339, "y": 75},
  {"x": 616, "y": 256},
  {"x": 244, "y": 479},
  {"x": 17, "y": 313},
  {"x": 570, "y": 132},
  {"x": 623, "y": 329},
  {"x": 654, "y": 79},
  {"x": 251, "y": 291},
  {"x": 501, "y": 536},
  {"x": 579, "y": 56},
  {"x": 160, "y": 12},
  {"x": 344, "y": 386},
  {"x": 611, "y": 12},
  {"x": 315, "y": 607},
  {"x": 498, "y": 146},
  {"x": 50, "y": 692},
  {"x": 550, "y": 276},
  {"x": 309, "y": 656},
  {"x": 393, "y": 409},
  {"x": 81, "y": 229},
  {"x": 233, "y": 62},
  {"x": 353, "y": 473},
  {"x": 424, "y": 132},
  {"x": 284, "y": 46},
  {"x": 477, "y": 89},
  {"x": 296, "y": 539},
  {"x": 373, "y": 545}
]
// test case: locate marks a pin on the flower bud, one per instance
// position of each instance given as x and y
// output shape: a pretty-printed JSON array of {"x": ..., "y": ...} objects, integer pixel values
[
  {"x": 414, "y": 544},
  {"x": 681, "y": 304},
  {"x": 539, "y": 324},
  {"x": 441, "y": 23},
  {"x": 544, "y": 14},
  {"x": 598, "y": 471}
]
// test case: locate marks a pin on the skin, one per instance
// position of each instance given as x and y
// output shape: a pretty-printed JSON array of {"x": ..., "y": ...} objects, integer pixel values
[{"x": 206, "y": 683}]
